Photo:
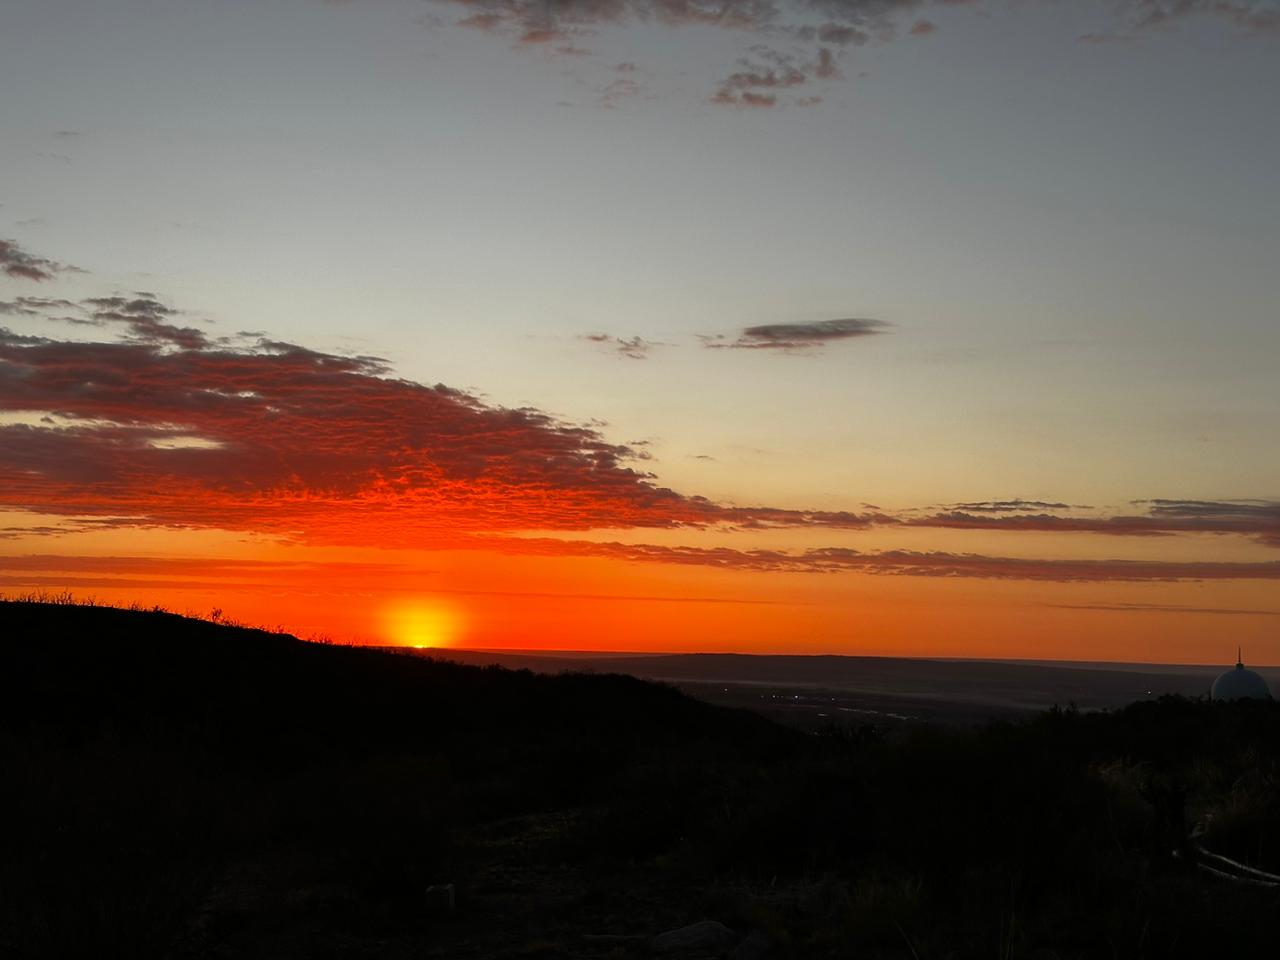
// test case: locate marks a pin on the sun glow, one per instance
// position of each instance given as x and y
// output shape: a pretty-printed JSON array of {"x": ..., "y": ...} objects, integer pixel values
[{"x": 421, "y": 623}]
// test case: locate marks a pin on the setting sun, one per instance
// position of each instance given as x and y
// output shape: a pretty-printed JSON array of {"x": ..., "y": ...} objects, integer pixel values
[{"x": 421, "y": 623}]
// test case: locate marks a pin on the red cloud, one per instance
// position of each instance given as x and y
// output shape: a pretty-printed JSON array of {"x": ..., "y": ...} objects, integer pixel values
[{"x": 288, "y": 441}]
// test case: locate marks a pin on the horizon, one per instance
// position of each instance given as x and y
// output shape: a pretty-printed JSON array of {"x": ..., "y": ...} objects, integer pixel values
[{"x": 924, "y": 329}]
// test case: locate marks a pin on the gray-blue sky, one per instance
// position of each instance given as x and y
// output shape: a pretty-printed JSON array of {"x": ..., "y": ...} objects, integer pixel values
[{"x": 1074, "y": 242}]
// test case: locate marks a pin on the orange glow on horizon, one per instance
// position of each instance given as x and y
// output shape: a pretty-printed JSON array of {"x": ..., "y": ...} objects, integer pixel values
[{"x": 421, "y": 623}]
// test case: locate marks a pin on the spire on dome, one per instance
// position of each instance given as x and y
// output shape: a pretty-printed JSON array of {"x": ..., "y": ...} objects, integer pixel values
[{"x": 1240, "y": 683}]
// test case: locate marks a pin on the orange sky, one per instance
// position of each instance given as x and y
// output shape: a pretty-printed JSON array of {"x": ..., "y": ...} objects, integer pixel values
[
  {"x": 910, "y": 327},
  {"x": 487, "y": 599},
  {"x": 156, "y": 463},
  {"x": 292, "y": 487}
]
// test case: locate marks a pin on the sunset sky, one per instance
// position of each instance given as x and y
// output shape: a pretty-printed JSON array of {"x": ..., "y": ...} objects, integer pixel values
[{"x": 892, "y": 327}]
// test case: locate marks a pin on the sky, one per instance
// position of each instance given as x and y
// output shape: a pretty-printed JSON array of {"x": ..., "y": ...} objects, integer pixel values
[{"x": 888, "y": 327}]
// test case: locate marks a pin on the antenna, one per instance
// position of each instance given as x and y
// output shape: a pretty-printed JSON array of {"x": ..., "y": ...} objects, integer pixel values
[{"x": 1239, "y": 658}]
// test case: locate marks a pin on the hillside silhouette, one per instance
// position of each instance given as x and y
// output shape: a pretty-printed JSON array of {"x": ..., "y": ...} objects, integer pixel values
[{"x": 187, "y": 789}]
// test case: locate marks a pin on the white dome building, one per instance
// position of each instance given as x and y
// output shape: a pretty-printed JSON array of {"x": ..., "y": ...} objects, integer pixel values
[{"x": 1240, "y": 684}]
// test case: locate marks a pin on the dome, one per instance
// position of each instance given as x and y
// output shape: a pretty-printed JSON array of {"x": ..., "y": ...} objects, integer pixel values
[{"x": 1240, "y": 684}]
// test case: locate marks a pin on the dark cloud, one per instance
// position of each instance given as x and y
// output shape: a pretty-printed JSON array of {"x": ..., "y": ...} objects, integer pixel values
[
  {"x": 18, "y": 263},
  {"x": 1009, "y": 506},
  {"x": 798, "y": 336},
  {"x": 34, "y": 306},
  {"x": 1259, "y": 519},
  {"x": 142, "y": 314},
  {"x": 146, "y": 318}
]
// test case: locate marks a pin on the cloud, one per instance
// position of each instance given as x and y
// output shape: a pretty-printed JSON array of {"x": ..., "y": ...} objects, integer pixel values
[
  {"x": 907, "y": 563},
  {"x": 146, "y": 318},
  {"x": 798, "y": 24},
  {"x": 35, "y": 306},
  {"x": 168, "y": 428},
  {"x": 1008, "y": 506},
  {"x": 1251, "y": 16},
  {"x": 803, "y": 27},
  {"x": 634, "y": 348},
  {"x": 18, "y": 263},
  {"x": 171, "y": 428},
  {"x": 1259, "y": 519},
  {"x": 798, "y": 336}
]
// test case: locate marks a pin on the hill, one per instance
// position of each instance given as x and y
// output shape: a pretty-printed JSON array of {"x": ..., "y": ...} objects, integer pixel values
[
  {"x": 185, "y": 789},
  {"x": 808, "y": 691}
]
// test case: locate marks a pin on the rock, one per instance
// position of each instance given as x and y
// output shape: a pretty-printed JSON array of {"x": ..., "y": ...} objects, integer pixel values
[
  {"x": 755, "y": 947},
  {"x": 705, "y": 936}
]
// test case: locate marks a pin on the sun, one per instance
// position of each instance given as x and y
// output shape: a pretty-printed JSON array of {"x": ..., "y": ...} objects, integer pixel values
[{"x": 421, "y": 623}]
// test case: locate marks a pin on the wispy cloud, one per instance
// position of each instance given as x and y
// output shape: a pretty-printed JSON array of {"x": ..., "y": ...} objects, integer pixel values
[
  {"x": 1009, "y": 506},
  {"x": 634, "y": 348},
  {"x": 909, "y": 563},
  {"x": 792, "y": 44}
]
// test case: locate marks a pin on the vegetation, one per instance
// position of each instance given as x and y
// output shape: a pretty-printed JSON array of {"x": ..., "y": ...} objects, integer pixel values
[{"x": 186, "y": 788}]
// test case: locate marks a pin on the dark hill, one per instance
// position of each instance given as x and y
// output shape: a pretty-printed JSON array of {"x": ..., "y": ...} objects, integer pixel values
[{"x": 185, "y": 789}]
